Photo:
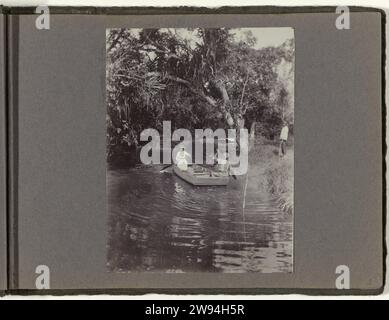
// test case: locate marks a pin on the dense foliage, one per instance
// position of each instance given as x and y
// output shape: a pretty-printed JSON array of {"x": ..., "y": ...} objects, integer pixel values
[{"x": 196, "y": 78}]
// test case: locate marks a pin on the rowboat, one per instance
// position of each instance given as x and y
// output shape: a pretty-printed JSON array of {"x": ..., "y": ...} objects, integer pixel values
[{"x": 205, "y": 177}]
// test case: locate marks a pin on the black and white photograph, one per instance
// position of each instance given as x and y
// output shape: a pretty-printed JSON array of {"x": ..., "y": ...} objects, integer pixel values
[{"x": 200, "y": 150}]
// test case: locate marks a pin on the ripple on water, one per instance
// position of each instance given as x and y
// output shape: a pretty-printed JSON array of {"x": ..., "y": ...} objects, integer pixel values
[{"x": 158, "y": 222}]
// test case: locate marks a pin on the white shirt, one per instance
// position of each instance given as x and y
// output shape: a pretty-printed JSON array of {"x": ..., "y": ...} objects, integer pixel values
[
  {"x": 181, "y": 156},
  {"x": 284, "y": 133}
]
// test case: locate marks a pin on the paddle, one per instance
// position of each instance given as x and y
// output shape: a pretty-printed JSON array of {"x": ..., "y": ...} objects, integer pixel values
[{"x": 165, "y": 167}]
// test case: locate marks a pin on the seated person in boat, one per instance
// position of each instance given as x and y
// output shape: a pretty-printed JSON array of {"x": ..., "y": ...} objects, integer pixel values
[{"x": 181, "y": 161}]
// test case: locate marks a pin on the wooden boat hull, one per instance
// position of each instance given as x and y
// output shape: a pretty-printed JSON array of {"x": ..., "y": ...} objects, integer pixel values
[{"x": 201, "y": 179}]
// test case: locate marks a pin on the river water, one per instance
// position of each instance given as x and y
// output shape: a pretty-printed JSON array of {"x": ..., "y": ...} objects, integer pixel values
[{"x": 159, "y": 223}]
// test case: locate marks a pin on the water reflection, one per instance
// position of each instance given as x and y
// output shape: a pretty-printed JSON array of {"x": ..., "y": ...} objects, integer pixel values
[{"x": 158, "y": 222}]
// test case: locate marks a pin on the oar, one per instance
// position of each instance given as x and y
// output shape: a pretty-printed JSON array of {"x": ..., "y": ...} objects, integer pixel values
[{"x": 164, "y": 168}]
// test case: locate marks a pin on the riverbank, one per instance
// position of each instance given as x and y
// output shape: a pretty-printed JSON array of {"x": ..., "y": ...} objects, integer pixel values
[{"x": 274, "y": 175}]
